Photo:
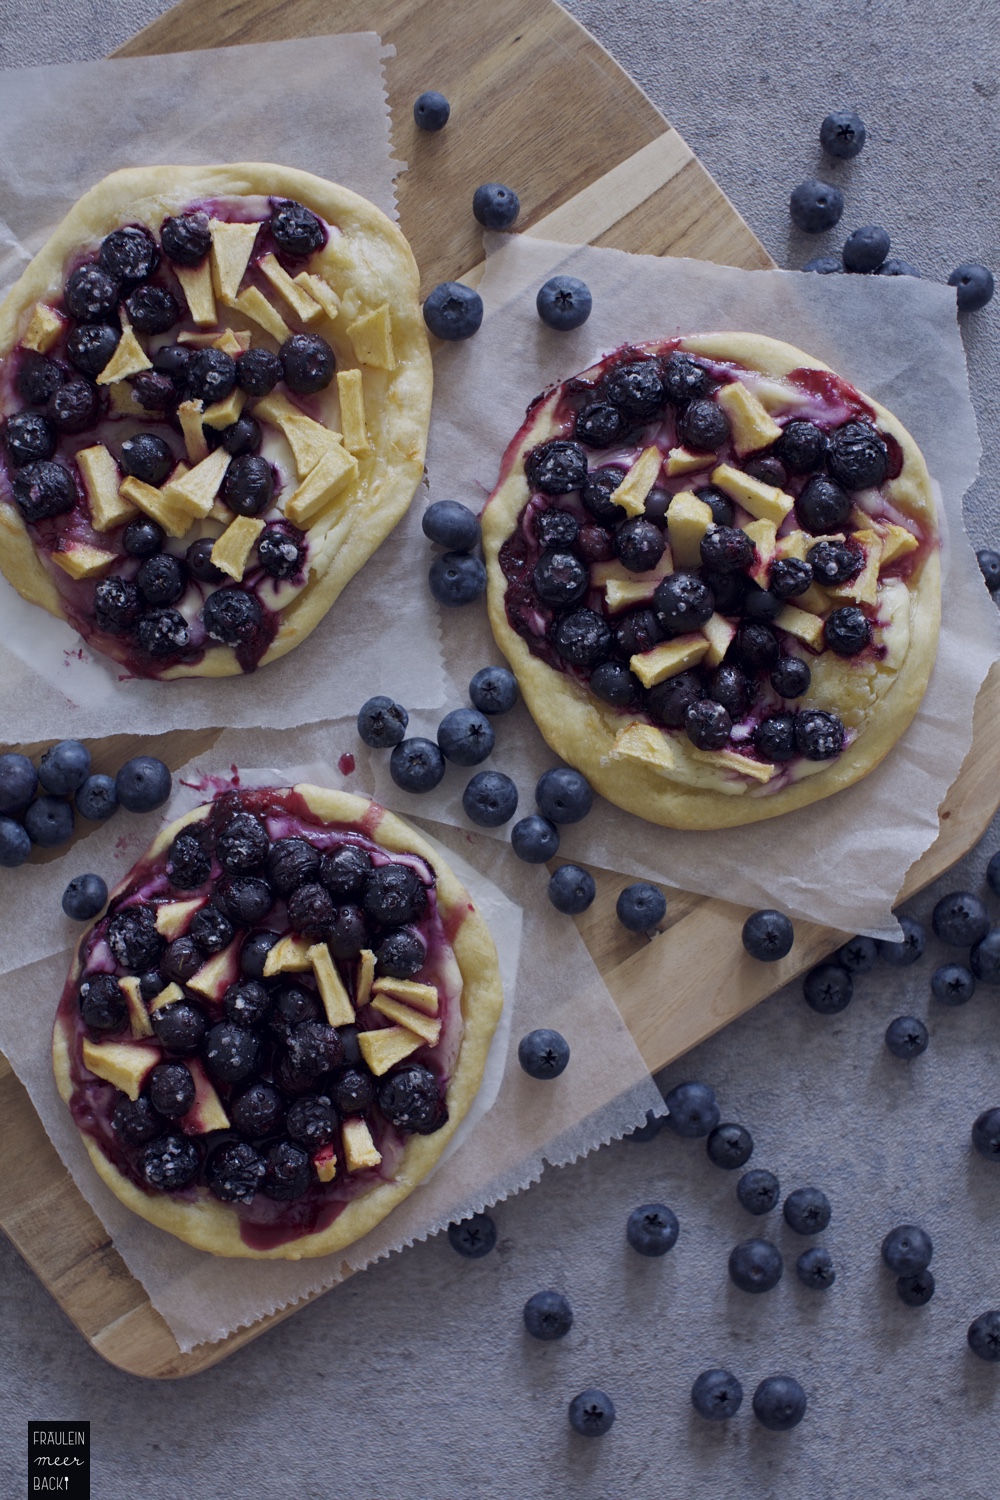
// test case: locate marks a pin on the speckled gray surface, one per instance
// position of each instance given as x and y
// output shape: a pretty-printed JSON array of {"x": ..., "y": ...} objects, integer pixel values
[{"x": 415, "y": 1380}]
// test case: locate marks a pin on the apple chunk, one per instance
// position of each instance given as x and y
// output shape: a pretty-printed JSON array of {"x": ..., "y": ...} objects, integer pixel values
[
  {"x": 214, "y": 978},
  {"x": 207, "y": 1112},
  {"x": 423, "y": 997},
  {"x": 125, "y": 1064},
  {"x": 360, "y": 1150},
  {"x": 382, "y": 1049}
]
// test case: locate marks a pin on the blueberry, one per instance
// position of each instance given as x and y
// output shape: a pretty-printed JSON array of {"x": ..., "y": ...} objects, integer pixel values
[
  {"x": 801, "y": 446},
  {"x": 171, "y": 1089},
  {"x": 807, "y": 1210},
  {"x": 169, "y": 1163},
  {"x": 258, "y": 371},
  {"x": 43, "y": 490},
  {"x": 431, "y": 110},
  {"x": 984, "y": 1336},
  {"x": 960, "y": 919},
  {"x": 707, "y": 725},
  {"x": 49, "y": 822},
  {"x": 38, "y": 378},
  {"x": 571, "y": 889},
  {"x": 614, "y": 683},
  {"x": 102, "y": 1003},
  {"x": 394, "y": 895},
  {"x": 310, "y": 909},
  {"x": 453, "y": 311},
  {"x": 815, "y": 206},
  {"x": 254, "y": 951},
  {"x": 281, "y": 551},
  {"x": 186, "y": 239},
  {"x": 291, "y": 862},
  {"x": 907, "y": 1249},
  {"x": 564, "y": 303},
  {"x": 952, "y": 984},
  {"x": 242, "y": 845},
  {"x": 858, "y": 956},
  {"x": 684, "y": 379},
  {"x": 726, "y": 549},
  {"x": 984, "y": 959},
  {"x": 543, "y": 1053},
  {"x": 258, "y": 1110},
  {"x": 842, "y": 134},
  {"x": 490, "y": 799},
  {"x": 900, "y": 954},
  {"x": 755, "y": 1265},
  {"x": 382, "y": 723},
  {"x": 779, "y": 1403},
  {"x": 180, "y": 1027},
  {"x": 451, "y": 524},
  {"x": 211, "y": 375},
  {"x": 153, "y": 392},
  {"x": 172, "y": 360},
  {"x": 896, "y": 267},
  {"x": 652, "y": 1229},
  {"x": 400, "y": 954},
  {"x": 583, "y": 638},
  {"x": 865, "y": 249},
  {"x": 716, "y": 1395},
  {"x": 759, "y": 607},
  {"x": 591, "y": 1413},
  {"x": 15, "y": 844},
  {"x": 649, "y": 1130},
  {"x": 231, "y": 1051},
  {"x": 309, "y": 363},
  {"x": 790, "y": 677},
  {"x": 989, "y": 566},
  {"x": 134, "y": 940},
  {"x": 473, "y": 1237},
  {"x": 534, "y": 839},
  {"x": 18, "y": 782},
  {"x": 641, "y": 907},
  {"x": 64, "y": 767},
  {"x": 163, "y": 632},
  {"x": 143, "y": 783},
  {"x": 161, "y": 579},
  {"x": 729, "y": 1146},
  {"x": 84, "y": 897},
  {"x": 683, "y": 602},
  {"x": 495, "y": 206},
  {"x": 234, "y": 1171},
  {"x": 599, "y": 424},
  {"x": 410, "y": 1099},
  {"x": 692, "y": 1110},
  {"x": 416, "y": 765},
  {"x": 142, "y": 537},
  {"x": 232, "y": 616},
  {"x": 857, "y": 456},
  {"x": 345, "y": 871},
  {"x": 636, "y": 387},
  {"x": 639, "y": 545},
  {"x": 768, "y": 935},
  {"x": 635, "y": 632},
  {"x": 669, "y": 701},
  {"x": 723, "y": 512},
  {"x": 563, "y": 795},
  {"x": 828, "y": 989},
  {"x": 297, "y": 231},
  {"x": 974, "y": 286},
  {"x": 555, "y": 529},
  {"x": 986, "y": 1134},
  {"x": 198, "y": 561},
  {"x": 916, "y": 1290},
  {"x": 818, "y": 735},
  {"x": 547, "y": 1316},
  {"x": 703, "y": 426},
  {"x": 599, "y": 486},
  {"x": 135, "y": 1120},
  {"x": 831, "y": 563},
  {"x": 91, "y": 295},
  {"x": 29, "y": 437},
  {"x": 758, "y": 1191},
  {"x": 152, "y": 309},
  {"x": 311, "y": 1121},
  {"x": 823, "y": 506},
  {"x": 242, "y": 436},
  {"x": 210, "y": 929},
  {"x": 180, "y": 960},
  {"x": 847, "y": 631},
  {"x": 457, "y": 578},
  {"x": 248, "y": 487},
  {"x": 147, "y": 457},
  {"x": 494, "y": 690},
  {"x": 287, "y": 1172},
  {"x": 354, "y": 1091},
  {"x": 814, "y": 1268}
]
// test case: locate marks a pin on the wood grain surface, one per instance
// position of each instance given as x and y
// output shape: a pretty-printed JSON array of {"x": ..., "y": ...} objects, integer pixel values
[{"x": 537, "y": 102}]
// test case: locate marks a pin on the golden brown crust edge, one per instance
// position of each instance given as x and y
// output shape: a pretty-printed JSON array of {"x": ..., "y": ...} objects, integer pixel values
[
  {"x": 206, "y": 1223},
  {"x": 397, "y": 403},
  {"x": 580, "y": 730}
]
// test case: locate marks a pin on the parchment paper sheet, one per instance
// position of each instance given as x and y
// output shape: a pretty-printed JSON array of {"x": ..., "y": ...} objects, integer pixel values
[
  {"x": 318, "y": 104},
  {"x": 549, "y": 979},
  {"x": 839, "y": 862}
]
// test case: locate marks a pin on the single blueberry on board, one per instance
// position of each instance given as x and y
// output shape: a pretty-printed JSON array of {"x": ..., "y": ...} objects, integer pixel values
[
  {"x": 641, "y": 907},
  {"x": 563, "y": 795},
  {"x": 571, "y": 889},
  {"x": 18, "y": 782},
  {"x": 815, "y": 1269},
  {"x": 858, "y": 956},
  {"x": 807, "y": 1210},
  {"x": 15, "y": 844},
  {"x": 907, "y": 1249},
  {"x": 493, "y": 690},
  {"x": 716, "y": 1395},
  {"x": 457, "y": 578},
  {"x": 989, "y": 566},
  {"x": 449, "y": 523},
  {"x": 986, "y": 1134},
  {"x": 865, "y": 249},
  {"x": 815, "y": 206},
  {"x": 842, "y": 134},
  {"x": 547, "y": 1316},
  {"x": 915, "y": 1290},
  {"x": 758, "y": 1191},
  {"x": 474, "y": 1237},
  {"x": 466, "y": 737},
  {"x": 534, "y": 839},
  {"x": 49, "y": 821},
  {"x": 97, "y": 798},
  {"x": 692, "y": 1110},
  {"x": 143, "y": 783},
  {"x": 652, "y": 1229},
  {"x": 729, "y": 1146},
  {"x": 960, "y": 919},
  {"x": 431, "y": 110},
  {"x": 974, "y": 286},
  {"x": 906, "y": 1037},
  {"x": 828, "y": 989},
  {"x": 543, "y": 1053},
  {"x": 768, "y": 935},
  {"x": 649, "y": 1131},
  {"x": 755, "y": 1265},
  {"x": 416, "y": 765},
  {"x": 825, "y": 265},
  {"x": 490, "y": 799},
  {"x": 907, "y": 951},
  {"x": 984, "y": 959},
  {"x": 382, "y": 723},
  {"x": 896, "y": 267},
  {"x": 84, "y": 897},
  {"x": 495, "y": 205},
  {"x": 453, "y": 311},
  {"x": 564, "y": 303},
  {"x": 953, "y": 984},
  {"x": 591, "y": 1413},
  {"x": 64, "y": 767},
  {"x": 779, "y": 1403},
  {"x": 983, "y": 1336}
]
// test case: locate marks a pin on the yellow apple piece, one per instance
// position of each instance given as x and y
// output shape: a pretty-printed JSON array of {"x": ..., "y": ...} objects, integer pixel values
[
  {"x": 174, "y": 519},
  {"x": 199, "y": 292},
  {"x": 683, "y": 461},
  {"x": 339, "y": 1010},
  {"x": 309, "y": 440},
  {"x": 303, "y": 305},
  {"x": 138, "y": 1016},
  {"x": 169, "y": 995},
  {"x": 80, "y": 560},
  {"x": 44, "y": 328},
  {"x": 290, "y": 955},
  {"x": 371, "y": 336},
  {"x": 601, "y": 574},
  {"x": 764, "y": 501},
  {"x": 668, "y": 659},
  {"x": 384, "y": 1048},
  {"x": 360, "y": 1150},
  {"x": 752, "y": 426},
  {"x": 757, "y": 770},
  {"x": 366, "y": 973},
  {"x": 214, "y": 977},
  {"x": 762, "y": 534},
  {"x": 423, "y": 997},
  {"x": 207, "y": 1112},
  {"x": 719, "y": 633},
  {"x": 325, "y": 1163},
  {"x": 321, "y": 291},
  {"x": 897, "y": 542},
  {"x": 404, "y": 1015},
  {"x": 174, "y": 917},
  {"x": 336, "y": 470},
  {"x": 254, "y": 305},
  {"x": 645, "y": 746},
  {"x": 233, "y": 548},
  {"x": 191, "y": 415},
  {"x": 801, "y": 623},
  {"x": 197, "y": 489},
  {"x": 352, "y": 411},
  {"x": 688, "y": 518},
  {"x": 232, "y": 247},
  {"x": 864, "y": 588},
  {"x": 224, "y": 413},
  {"x": 634, "y": 489},
  {"x": 796, "y": 544},
  {"x": 128, "y": 359},
  {"x": 124, "y": 1064},
  {"x": 101, "y": 479}
]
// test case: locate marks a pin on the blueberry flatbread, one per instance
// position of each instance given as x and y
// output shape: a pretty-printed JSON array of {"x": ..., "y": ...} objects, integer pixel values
[
  {"x": 215, "y": 387},
  {"x": 272, "y": 1033},
  {"x": 714, "y": 567}
]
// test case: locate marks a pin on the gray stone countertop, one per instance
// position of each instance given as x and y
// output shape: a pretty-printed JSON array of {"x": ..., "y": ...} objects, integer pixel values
[{"x": 416, "y": 1378}]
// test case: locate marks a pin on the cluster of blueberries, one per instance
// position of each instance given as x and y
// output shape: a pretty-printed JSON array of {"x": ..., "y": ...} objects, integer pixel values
[
  {"x": 38, "y": 805},
  {"x": 815, "y": 206}
]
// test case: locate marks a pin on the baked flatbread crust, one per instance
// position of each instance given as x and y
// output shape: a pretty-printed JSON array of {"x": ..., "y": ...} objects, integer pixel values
[
  {"x": 207, "y": 1223},
  {"x": 582, "y": 730}
]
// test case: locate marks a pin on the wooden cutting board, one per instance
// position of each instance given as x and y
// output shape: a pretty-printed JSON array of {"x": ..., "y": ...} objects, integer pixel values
[{"x": 605, "y": 168}]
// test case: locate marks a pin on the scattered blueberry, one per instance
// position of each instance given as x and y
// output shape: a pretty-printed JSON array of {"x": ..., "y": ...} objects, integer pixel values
[
  {"x": 451, "y": 524},
  {"x": 989, "y": 566},
  {"x": 466, "y": 737},
  {"x": 382, "y": 723},
  {"x": 457, "y": 578},
  {"x": 563, "y": 795},
  {"x": 984, "y": 1336},
  {"x": 564, "y": 303},
  {"x": 18, "y": 782},
  {"x": 49, "y": 821},
  {"x": 915, "y": 1290},
  {"x": 15, "y": 844},
  {"x": 490, "y": 799},
  {"x": 692, "y": 1110},
  {"x": 896, "y": 267},
  {"x": 534, "y": 839},
  {"x": 84, "y": 897},
  {"x": 986, "y": 1134},
  {"x": 473, "y": 1237},
  {"x": 907, "y": 1249},
  {"x": 547, "y": 1316},
  {"x": 960, "y": 919},
  {"x": 755, "y": 1265},
  {"x": 828, "y": 989},
  {"x": 591, "y": 1413},
  {"x": 953, "y": 984},
  {"x": 807, "y": 1210},
  {"x": 453, "y": 311},
  {"x": 494, "y": 690},
  {"x": 143, "y": 783},
  {"x": 768, "y": 935},
  {"x": 571, "y": 889},
  {"x": 649, "y": 1130},
  {"x": 641, "y": 906},
  {"x": 825, "y": 265},
  {"x": 984, "y": 959},
  {"x": 842, "y": 134},
  {"x": 758, "y": 1191},
  {"x": 416, "y": 765},
  {"x": 716, "y": 1395},
  {"x": 64, "y": 767},
  {"x": 543, "y": 1053},
  {"x": 815, "y": 206},
  {"x": 495, "y": 206},
  {"x": 974, "y": 286},
  {"x": 779, "y": 1402},
  {"x": 431, "y": 110},
  {"x": 858, "y": 956},
  {"x": 652, "y": 1229},
  {"x": 906, "y": 1037},
  {"x": 729, "y": 1146},
  {"x": 866, "y": 248},
  {"x": 814, "y": 1268},
  {"x": 909, "y": 949}
]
